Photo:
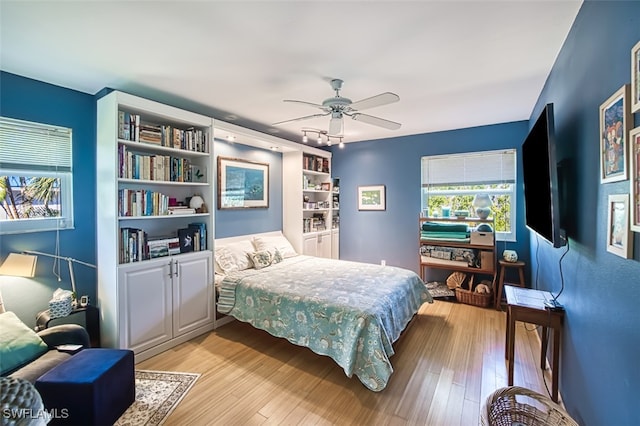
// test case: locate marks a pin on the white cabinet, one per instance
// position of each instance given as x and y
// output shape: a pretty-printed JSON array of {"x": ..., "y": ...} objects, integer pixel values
[
  {"x": 335, "y": 244},
  {"x": 145, "y": 305},
  {"x": 153, "y": 158},
  {"x": 192, "y": 292},
  {"x": 318, "y": 244},
  {"x": 163, "y": 299}
]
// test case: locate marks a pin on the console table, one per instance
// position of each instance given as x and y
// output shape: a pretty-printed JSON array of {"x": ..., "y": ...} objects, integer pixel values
[{"x": 528, "y": 305}]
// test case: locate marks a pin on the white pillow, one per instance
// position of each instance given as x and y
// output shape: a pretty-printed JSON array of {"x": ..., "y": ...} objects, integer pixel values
[
  {"x": 234, "y": 256},
  {"x": 273, "y": 243}
]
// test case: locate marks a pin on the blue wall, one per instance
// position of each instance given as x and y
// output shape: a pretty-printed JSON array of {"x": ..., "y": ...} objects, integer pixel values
[
  {"x": 392, "y": 235},
  {"x": 229, "y": 223},
  {"x": 31, "y": 100},
  {"x": 600, "y": 376}
]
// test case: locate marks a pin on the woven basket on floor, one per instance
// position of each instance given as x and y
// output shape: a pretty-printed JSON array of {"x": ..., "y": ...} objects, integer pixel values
[
  {"x": 514, "y": 405},
  {"x": 473, "y": 298}
]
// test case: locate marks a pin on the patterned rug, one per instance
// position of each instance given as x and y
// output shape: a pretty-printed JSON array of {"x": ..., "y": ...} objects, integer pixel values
[
  {"x": 158, "y": 393},
  {"x": 439, "y": 289}
]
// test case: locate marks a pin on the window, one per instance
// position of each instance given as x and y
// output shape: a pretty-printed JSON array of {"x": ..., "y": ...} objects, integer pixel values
[
  {"x": 454, "y": 180},
  {"x": 36, "y": 177}
]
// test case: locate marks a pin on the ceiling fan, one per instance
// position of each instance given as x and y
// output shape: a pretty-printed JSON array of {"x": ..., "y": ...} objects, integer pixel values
[{"x": 337, "y": 107}]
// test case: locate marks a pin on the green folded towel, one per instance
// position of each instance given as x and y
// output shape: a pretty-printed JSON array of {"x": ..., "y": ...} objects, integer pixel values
[
  {"x": 444, "y": 227},
  {"x": 432, "y": 234}
]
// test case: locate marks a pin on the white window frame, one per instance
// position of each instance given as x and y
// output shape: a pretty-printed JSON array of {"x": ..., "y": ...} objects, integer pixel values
[
  {"x": 24, "y": 147},
  {"x": 504, "y": 177}
]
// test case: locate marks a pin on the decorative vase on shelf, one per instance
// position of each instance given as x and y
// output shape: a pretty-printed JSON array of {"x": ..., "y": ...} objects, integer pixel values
[{"x": 482, "y": 205}]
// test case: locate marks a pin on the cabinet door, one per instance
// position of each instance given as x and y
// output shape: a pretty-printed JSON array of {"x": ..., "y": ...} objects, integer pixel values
[
  {"x": 310, "y": 245},
  {"x": 324, "y": 245},
  {"x": 192, "y": 292},
  {"x": 145, "y": 304},
  {"x": 335, "y": 244}
]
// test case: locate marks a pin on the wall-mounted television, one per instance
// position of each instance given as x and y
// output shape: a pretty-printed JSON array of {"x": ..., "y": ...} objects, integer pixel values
[{"x": 541, "y": 192}]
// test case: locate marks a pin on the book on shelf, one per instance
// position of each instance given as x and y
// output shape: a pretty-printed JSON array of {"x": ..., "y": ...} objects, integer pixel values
[
  {"x": 133, "y": 165},
  {"x": 132, "y": 127},
  {"x": 181, "y": 210},
  {"x": 201, "y": 227},
  {"x": 163, "y": 246},
  {"x": 132, "y": 247},
  {"x": 187, "y": 239},
  {"x": 142, "y": 203}
]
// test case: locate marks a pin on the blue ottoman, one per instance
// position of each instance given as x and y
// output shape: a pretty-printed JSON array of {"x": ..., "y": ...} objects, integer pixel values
[{"x": 93, "y": 387}]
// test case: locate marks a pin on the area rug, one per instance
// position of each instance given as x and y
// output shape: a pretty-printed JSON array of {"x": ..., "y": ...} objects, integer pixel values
[
  {"x": 158, "y": 393},
  {"x": 439, "y": 289}
]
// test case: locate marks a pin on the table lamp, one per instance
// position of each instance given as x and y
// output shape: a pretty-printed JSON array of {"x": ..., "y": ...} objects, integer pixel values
[{"x": 18, "y": 265}]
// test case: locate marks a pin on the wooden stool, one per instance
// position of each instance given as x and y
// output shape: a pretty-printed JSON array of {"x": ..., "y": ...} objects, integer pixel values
[{"x": 503, "y": 268}]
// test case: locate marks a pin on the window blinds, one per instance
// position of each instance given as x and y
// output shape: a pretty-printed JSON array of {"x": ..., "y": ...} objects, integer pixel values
[
  {"x": 33, "y": 146},
  {"x": 489, "y": 167}
]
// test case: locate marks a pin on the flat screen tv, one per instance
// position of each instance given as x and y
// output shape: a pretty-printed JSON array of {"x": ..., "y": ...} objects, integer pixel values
[{"x": 541, "y": 195}]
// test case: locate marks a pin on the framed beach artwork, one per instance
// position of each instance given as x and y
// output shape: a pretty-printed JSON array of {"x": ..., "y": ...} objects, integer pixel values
[
  {"x": 615, "y": 122},
  {"x": 619, "y": 241},
  {"x": 372, "y": 197},
  {"x": 635, "y": 78},
  {"x": 242, "y": 184},
  {"x": 634, "y": 159}
]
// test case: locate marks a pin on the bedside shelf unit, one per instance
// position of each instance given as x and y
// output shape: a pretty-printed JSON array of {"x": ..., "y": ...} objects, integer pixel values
[
  {"x": 152, "y": 295},
  {"x": 308, "y": 217},
  {"x": 485, "y": 248}
]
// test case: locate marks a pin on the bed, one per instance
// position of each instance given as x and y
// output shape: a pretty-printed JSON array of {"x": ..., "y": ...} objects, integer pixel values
[{"x": 352, "y": 312}]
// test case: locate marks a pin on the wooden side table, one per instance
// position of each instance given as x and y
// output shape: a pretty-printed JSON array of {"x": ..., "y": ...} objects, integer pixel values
[
  {"x": 528, "y": 305},
  {"x": 503, "y": 269},
  {"x": 87, "y": 316}
]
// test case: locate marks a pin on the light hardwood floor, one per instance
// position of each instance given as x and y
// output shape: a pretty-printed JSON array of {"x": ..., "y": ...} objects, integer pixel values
[{"x": 446, "y": 363}]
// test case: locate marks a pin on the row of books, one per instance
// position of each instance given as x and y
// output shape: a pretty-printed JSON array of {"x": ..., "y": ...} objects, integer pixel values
[
  {"x": 315, "y": 163},
  {"x": 133, "y": 165},
  {"x": 136, "y": 246},
  {"x": 142, "y": 202},
  {"x": 132, "y": 128}
]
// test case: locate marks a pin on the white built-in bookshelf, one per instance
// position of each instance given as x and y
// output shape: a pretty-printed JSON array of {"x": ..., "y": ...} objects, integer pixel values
[{"x": 154, "y": 249}]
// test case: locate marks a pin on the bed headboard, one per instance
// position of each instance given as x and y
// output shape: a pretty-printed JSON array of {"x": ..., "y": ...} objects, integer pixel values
[{"x": 219, "y": 242}]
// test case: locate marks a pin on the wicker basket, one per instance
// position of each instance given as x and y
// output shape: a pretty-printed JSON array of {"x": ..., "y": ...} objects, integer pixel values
[
  {"x": 473, "y": 298},
  {"x": 514, "y": 405}
]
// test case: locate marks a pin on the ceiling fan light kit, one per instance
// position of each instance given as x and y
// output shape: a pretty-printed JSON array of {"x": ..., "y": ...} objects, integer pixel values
[
  {"x": 338, "y": 107},
  {"x": 320, "y": 134}
]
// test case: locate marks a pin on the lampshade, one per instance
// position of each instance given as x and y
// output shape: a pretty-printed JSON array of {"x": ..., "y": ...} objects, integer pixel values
[{"x": 19, "y": 265}]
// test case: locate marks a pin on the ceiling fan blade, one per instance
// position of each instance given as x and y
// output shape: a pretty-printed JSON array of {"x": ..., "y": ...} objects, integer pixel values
[
  {"x": 376, "y": 121},
  {"x": 306, "y": 117},
  {"x": 336, "y": 124},
  {"x": 304, "y": 103},
  {"x": 375, "y": 101}
]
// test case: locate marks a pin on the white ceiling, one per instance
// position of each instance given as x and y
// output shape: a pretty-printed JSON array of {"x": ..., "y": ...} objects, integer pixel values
[{"x": 454, "y": 64}]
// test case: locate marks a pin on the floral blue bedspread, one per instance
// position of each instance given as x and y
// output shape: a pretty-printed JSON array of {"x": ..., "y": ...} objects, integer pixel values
[{"x": 350, "y": 311}]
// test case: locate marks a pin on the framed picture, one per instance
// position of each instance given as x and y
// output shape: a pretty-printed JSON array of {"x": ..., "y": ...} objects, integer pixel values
[
  {"x": 372, "y": 197},
  {"x": 634, "y": 159},
  {"x": 635, "y": 78},
  {"x": 242, "y": 184},
  {"x": 619, "y": 241},
  {"x": 615, "y": 122}
]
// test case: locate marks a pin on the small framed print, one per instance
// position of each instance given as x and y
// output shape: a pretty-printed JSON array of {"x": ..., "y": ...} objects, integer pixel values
[
  {"x": 635, "y": 78},
  {"x": 372, "y": 197},
  {"x": 634, "y": 160},
  {"x": 615, "y": 123},
  {"x": 619, "y": 241}
]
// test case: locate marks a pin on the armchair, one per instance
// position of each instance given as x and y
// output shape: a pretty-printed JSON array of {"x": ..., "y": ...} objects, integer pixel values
[{"x": 37, "y": 362}]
